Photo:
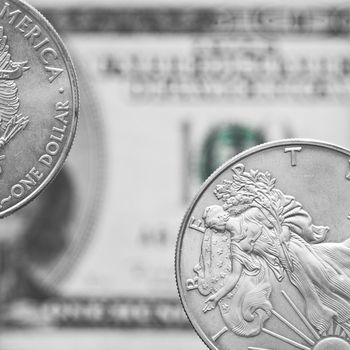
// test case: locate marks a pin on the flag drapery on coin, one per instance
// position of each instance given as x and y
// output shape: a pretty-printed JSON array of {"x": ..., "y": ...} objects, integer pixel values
[{"x": 258, "y": 242}]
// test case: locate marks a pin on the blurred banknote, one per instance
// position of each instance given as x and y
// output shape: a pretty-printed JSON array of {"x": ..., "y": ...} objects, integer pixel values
[{"x": 167, "y": 95}]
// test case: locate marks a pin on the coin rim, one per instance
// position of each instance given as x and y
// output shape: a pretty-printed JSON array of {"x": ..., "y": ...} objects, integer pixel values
[
  {"x": 86, "y": 233},
  {"x": 72, "y": 76},
  {"x": 183, "y": 227}
]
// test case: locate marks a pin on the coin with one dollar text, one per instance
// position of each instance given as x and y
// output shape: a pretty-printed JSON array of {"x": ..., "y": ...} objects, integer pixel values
[{"x": 38, "y": 104}]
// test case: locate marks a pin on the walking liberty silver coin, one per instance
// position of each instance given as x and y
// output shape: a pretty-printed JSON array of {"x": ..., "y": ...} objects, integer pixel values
[
  {"x": 263, "y": 254},
  {"x": 38, "y": 104}
]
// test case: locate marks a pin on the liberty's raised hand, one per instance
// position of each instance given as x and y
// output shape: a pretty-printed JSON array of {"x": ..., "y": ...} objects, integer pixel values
[{"x": 211, "y": 302}]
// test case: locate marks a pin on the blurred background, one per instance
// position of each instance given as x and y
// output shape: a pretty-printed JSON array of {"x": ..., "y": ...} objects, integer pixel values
[{"x": 169, "y": 91}]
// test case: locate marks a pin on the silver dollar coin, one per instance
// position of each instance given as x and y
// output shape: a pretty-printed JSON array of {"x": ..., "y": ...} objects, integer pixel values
[
  {"x": 263, "y": 255},
  {"x": 38, "y": 104}
]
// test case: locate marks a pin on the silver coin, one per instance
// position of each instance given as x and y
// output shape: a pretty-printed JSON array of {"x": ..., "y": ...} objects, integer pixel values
[
  {"x": 263, "y": 254},
  {"x": 38, "y": 104},
  {"x": 52, "y": 232}
]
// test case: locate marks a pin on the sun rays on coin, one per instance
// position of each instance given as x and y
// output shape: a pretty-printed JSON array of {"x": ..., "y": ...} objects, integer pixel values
[
  {"x": 337, "y": 338},
  {"x": 268, "y": 269}
]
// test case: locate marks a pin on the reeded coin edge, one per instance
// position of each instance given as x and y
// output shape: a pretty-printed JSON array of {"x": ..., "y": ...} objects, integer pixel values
[
  {"x": 75, "y": 106},
  {"x": 237, "y": 158}
]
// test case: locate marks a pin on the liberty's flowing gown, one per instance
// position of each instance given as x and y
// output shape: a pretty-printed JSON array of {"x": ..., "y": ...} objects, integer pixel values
[{"x": 320, "y": 271}]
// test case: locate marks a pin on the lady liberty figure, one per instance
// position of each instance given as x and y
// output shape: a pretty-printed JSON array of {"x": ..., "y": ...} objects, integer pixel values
[{"x": 259, "y": 234}]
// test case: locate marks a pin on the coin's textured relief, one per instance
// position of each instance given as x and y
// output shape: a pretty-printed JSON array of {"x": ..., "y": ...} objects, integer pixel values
[
  {"x": 38, "y": 104},
  {"x": 11, "y": 121},
  {"x": 255, "y": 240},
  {"x": 271, "y": 236}
]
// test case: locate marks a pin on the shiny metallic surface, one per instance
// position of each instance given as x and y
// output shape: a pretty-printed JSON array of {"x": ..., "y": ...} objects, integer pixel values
[
  {"x": 38, "y": 104},
  {"x": 168, "y": 92},
  {"x": 262, "y": 259}
]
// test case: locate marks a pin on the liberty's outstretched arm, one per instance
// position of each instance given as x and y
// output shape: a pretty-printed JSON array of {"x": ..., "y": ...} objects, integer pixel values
[{"x": 230, "y": 284}]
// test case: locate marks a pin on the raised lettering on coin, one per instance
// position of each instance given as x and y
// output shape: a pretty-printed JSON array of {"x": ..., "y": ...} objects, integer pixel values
[
  {"x": 196, "y": 225},
  {"x": 348, "y": 175},
  {"x": 38, "y": 104},
  {"x": 268, "y": 267},
  {"x": 293, "y": 155}
]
